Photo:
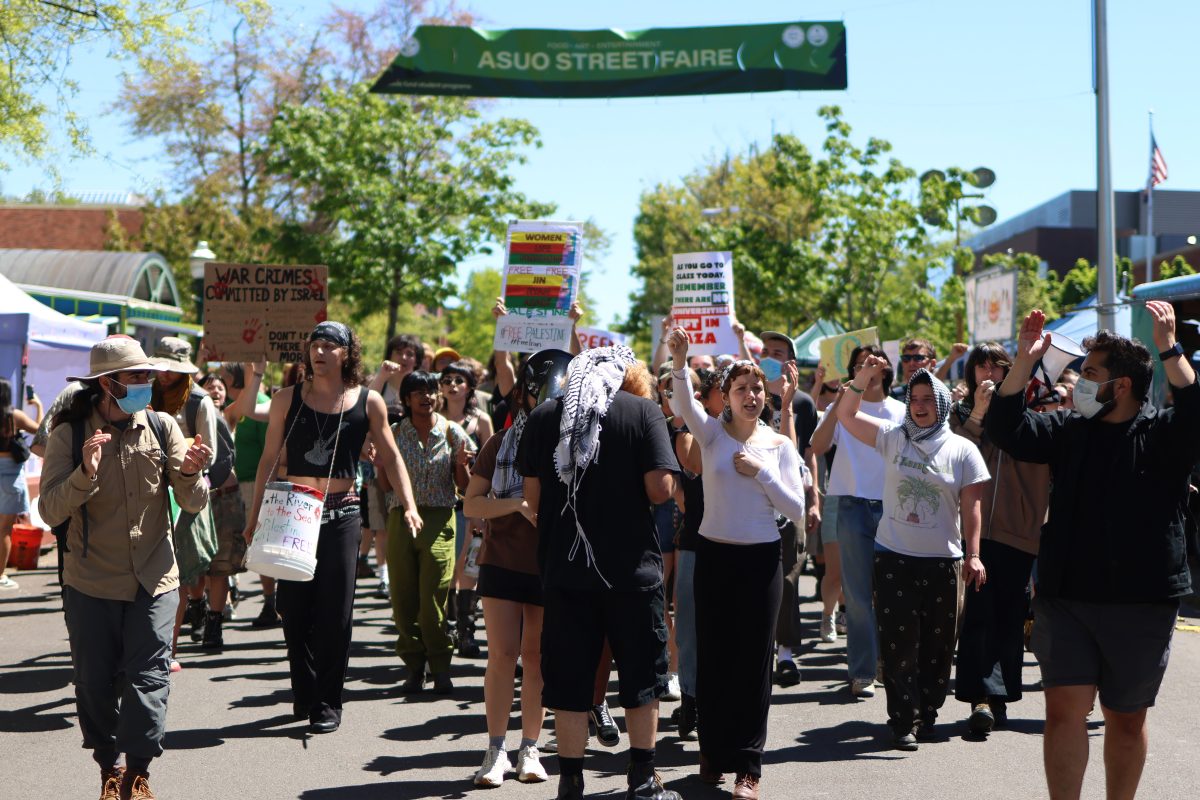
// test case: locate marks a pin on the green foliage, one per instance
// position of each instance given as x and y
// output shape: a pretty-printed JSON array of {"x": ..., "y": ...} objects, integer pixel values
[
  {"x": 404, "y": 189},
  {"x": 40, "y": 37},
  {"x": 1176, "y": 268}
]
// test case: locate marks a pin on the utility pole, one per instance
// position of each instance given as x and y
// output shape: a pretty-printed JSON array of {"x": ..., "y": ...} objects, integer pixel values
[{"x": 1106, "y": 309}]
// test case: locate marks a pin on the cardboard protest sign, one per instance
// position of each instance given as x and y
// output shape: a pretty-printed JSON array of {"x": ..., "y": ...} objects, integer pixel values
[
  {"x": 542, "y": 265},
  {"x": 703, "y": 302},
  {"x": 256, "y": 312},
  {"x": 835, "y": 350},
  {"x": 991, "y": 305},
  {"x": 595, "y": 337}
]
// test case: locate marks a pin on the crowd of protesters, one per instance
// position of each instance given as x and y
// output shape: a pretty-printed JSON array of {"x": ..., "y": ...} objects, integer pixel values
[{"x": 605, "y": 513}]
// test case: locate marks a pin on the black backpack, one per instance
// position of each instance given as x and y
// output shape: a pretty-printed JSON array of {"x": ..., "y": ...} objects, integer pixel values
[
  {"x": 222, "y": 465},
  {"x": 78, "y": 436}
]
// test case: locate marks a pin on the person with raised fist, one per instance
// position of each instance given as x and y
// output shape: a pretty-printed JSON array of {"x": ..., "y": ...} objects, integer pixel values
[{"x": 1112, "y": 563}]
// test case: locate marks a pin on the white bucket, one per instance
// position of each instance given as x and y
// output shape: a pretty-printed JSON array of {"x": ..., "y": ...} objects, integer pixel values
[{"x": 285, "y": 539}]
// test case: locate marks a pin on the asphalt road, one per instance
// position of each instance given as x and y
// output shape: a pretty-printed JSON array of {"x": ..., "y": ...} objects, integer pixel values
[{"x": 231, "y": 735}]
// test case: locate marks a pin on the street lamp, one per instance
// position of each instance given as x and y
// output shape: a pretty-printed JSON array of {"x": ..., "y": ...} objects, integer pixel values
[{"x": 196, "y": 261}]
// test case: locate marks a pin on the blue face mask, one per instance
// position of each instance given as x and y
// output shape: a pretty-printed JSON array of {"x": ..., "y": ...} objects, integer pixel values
[{"x": 137, "y": 396}]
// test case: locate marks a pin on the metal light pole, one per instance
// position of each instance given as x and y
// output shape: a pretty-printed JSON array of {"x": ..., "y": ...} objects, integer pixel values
[
  {"x": 196, "y": 261},
  {"x": 1106, "y": 309}
]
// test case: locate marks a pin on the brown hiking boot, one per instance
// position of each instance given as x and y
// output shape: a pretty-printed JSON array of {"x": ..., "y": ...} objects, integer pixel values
[
  {"x": 136, "y": 786},
  {"x": 745, "y": 787},
  {"x": 110, "y": 783}
]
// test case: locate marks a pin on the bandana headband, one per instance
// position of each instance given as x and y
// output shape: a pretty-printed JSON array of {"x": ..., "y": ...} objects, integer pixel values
[{"x": 334, "y": 332}]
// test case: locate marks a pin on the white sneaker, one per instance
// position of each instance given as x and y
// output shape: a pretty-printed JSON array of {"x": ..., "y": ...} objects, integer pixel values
[
  {"x": 673, "y": 695},
  {"x": 862, "y": 687},
  {"x": 529, "y": 765},
  {"x": 8, "y": 583},
  {"x": 495, "y": 766},
  {"x": 827, "y": 631},
  {"x": 840, "y": 623}
]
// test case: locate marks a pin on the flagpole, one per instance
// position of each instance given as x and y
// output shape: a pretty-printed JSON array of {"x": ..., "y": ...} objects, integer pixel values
[
  {"x": 1106, "y": 309},
  {"x": 1151, "y": 242}
]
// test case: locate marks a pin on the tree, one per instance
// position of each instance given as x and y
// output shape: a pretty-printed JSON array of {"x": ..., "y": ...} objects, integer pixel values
[
  {"x": 404, "y": 188},
  {"x": 1176, "y": 268},
  {"x": 40, "y": 37}
]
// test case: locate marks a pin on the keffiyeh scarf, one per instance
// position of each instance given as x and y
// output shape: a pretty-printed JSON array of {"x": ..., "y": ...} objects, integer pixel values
[
  {"x": 928, "y": 440},
  {"x": 593, "y": 380},
  {"x": 506, "y": 481}
]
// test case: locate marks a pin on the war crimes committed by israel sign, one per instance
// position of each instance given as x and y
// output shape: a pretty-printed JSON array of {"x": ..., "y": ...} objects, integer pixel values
[{"x": 444, "y": 60}]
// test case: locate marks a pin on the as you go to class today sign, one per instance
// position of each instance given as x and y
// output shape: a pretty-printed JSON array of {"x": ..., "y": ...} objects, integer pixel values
[{"x": 445, "y": 60}]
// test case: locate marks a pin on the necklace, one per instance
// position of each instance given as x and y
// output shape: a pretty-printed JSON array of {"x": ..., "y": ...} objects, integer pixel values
[{"x": 323, "y": 446}]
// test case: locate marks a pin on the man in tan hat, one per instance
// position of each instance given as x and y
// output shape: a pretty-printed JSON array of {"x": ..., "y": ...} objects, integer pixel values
[{"x": 108, "y": 464}]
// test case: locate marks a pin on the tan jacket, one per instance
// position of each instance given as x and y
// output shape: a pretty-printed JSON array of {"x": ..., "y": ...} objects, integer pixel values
[
  {"x": 129, "y": 532},
  {"x": 1017, "y": 497}
]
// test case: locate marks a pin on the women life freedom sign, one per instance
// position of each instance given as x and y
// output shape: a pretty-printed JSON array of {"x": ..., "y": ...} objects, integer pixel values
[
  {"x": 703, "y": 302},
  {"x": 541, "y": 280}
]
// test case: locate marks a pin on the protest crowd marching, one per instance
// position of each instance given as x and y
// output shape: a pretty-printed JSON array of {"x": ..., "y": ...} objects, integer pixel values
[{"x": 594, "y": 515}]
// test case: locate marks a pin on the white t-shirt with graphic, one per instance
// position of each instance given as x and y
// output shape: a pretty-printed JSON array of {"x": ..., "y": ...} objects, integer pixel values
[
  {"x": 857, "y": 469},
  {"x": 921, "y": 493}
]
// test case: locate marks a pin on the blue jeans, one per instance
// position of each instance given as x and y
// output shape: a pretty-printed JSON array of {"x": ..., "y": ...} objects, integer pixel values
[
  {"x": 857, "y": 521},
  {"x": 685, "y": 619}
]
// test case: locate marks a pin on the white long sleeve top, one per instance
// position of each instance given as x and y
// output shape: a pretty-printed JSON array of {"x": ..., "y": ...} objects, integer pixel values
[{"x": 739, "y": 509}]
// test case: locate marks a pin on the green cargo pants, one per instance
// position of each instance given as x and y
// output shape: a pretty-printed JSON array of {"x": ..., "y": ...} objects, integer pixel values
[{"x": 420, "y": 570}]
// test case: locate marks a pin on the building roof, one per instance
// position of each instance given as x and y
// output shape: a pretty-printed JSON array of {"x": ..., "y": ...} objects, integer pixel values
[
  {"x": 143, "y": 276},
  {"x": 64, "y": 227}
]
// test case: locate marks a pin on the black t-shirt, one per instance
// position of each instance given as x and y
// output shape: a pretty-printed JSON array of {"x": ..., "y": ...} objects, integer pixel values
[
  {"x": 611, "y": 499},
  {"x": 804, "y": 412},
  {"x": 693, "y": 501}
]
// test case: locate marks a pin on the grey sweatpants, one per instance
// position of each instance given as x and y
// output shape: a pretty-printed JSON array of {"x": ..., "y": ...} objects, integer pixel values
[{"x": 121, "y": 655}]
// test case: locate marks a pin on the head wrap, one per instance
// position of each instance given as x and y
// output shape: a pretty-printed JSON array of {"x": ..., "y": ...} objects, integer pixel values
[
  {"x": 935, "y": 434},
  {"x": 593, "y": 380},
  {"x": 331, "y": 331}
]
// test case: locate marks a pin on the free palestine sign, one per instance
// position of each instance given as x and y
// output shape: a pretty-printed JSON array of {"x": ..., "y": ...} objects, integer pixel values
[{"x": 445, "y": 60}]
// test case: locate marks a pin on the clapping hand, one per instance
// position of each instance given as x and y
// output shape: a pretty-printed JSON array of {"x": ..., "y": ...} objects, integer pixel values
[{"x": 91, "y": 452}]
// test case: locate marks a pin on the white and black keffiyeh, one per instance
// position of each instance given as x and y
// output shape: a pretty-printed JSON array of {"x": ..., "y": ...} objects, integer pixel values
[
  {"x": 930, "y": 438},
  {"x": 506, "y": 481},
  {"x": 593, "y": 380}
]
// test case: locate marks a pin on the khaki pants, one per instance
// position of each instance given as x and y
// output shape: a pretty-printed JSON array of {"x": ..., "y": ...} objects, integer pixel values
[{"x": 420, "y": 570}]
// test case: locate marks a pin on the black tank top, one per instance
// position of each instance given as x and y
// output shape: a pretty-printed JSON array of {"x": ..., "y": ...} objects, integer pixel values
[{"x": 310, "y": 445}]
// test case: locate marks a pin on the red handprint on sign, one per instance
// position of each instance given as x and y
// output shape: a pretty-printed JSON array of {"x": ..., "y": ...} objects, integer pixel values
[{"x": 251, "y": 331}]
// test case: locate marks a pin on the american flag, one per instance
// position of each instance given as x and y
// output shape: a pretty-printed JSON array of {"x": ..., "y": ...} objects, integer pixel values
[{"x": 1158, "y": 164}]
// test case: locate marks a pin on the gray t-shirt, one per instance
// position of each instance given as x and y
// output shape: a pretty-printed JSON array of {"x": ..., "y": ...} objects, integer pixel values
[{"x": 921, "y": 493}]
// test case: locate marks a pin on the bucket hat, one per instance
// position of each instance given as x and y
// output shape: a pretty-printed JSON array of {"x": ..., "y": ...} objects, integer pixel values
[
  {"x": 175, "y": 355},
  {"x": 116, "y": 354}
]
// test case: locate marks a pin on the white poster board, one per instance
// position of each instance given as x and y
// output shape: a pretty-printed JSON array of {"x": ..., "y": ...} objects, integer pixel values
[
  {"x": 703, "y": 302},
  {"x": 991, "y": 305},
  {"x": 542, "y": 263},
  {"x": 590, "y": 338}
]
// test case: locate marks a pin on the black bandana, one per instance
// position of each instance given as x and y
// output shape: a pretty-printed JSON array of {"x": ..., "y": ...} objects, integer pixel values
[{"x": 334, "y": 332}]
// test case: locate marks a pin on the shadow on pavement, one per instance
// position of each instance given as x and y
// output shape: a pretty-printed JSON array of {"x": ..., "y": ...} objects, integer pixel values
[
  {"x": 405, "y": 790},
  {"x": 201, "y": 738},
  {"x": 850, "y": 741},
  {"x": 44, "y": 673},
  {"x": 33, "y": 720}
]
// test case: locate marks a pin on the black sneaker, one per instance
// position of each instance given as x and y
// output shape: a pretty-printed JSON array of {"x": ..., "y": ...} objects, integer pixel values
[
  {"x": 197, "y": 613},
  {"x": 268, "y": 617},
  {"x": 906, "y": 742},
  {"x": 570, "y": 787},
  {"x": 688, "y": 718},
  {"x": 382, "y": 592},
  {"x": 981, "y": 720},
  {"x": 607, "y": 731},
  {"x": 442, "y": 683},
  {"x": 213, "y": 638},
  {"x": 644, "y": 784},
  {"x": 786, "y": 673},
  {"x": 414, "y": 682},
  {"x": 469, "y": 648},
  {"x": 1000, "y": 712}
]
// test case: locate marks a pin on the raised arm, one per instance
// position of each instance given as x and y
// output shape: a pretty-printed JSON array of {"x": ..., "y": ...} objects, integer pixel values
[
  {"x": 247, "y": 404},
  {"x": 739, "y": 330},
  {"x": 787, "y": 415},
  {"x": 506, "y": 378},
  {"x": 576, "y": 314},
  {"x": 956, "y": 352},
  {"x": 662, "y": 353},
  {"x": 1023, "y": 434},
  {"x": 863, "y": 427},
  {"x": 683, "y": 401},
  {"x": 822, "y": 438}
]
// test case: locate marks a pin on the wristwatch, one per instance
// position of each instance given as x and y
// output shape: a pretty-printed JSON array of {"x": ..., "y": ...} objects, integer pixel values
[{"x": 1171, "y": 352}]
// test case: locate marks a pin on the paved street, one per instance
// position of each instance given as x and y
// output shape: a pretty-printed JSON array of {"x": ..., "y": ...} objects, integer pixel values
[{"x": 231, "y": 735}]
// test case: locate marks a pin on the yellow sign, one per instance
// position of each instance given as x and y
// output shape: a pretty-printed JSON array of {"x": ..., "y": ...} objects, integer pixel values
[{"x": 835, "y": 350}]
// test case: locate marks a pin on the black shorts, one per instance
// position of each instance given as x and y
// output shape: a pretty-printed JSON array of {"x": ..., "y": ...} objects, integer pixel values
[
  {"x": 499, "y": 583},
  {"x": 574, "y": 628},
  {"x": 1121, "y": 648}
]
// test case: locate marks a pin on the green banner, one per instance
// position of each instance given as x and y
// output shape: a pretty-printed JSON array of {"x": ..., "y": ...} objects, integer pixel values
[{"x": 444, "y": 60}]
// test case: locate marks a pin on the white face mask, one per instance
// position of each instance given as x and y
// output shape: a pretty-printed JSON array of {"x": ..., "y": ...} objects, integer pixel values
[{"x": 1085, "y": 398}]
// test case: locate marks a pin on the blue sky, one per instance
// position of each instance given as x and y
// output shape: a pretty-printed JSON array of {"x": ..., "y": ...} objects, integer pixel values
[{"x": 948, "y": 82}]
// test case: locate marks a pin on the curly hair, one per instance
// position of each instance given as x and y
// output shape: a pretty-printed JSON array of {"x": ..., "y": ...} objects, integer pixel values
[
  {"x": 351, "y": 367},
  {"x": 639, "y": 381},
  {"x": 1124, "y": 358}
]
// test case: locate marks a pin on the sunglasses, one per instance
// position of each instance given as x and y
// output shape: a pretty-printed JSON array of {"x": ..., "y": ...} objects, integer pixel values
[
  {"x": 666, "y": 393},
  {"x": 455, "y": 381},
  {"x": 914, "y": 357}
]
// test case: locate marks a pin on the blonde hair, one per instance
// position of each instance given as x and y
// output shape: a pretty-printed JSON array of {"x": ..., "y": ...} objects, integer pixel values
[{"x": 639, "y": 381}]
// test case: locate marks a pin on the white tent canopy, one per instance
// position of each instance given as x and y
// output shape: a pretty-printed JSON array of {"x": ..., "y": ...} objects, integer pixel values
[{"x": 57, "y": 345}]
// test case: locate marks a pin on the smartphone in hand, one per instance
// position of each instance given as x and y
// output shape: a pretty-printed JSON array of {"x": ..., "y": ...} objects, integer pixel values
[{"x": 29, "y": 393}]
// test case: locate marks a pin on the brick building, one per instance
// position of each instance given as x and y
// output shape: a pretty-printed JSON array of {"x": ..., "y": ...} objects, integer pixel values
[{"x": 63, "y": 227}]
